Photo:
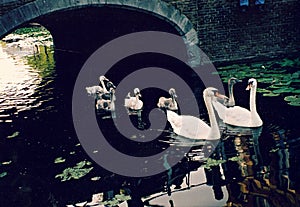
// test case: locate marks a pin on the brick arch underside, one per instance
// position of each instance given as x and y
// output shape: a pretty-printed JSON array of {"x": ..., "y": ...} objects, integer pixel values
[{"x": 26, "y": 13}]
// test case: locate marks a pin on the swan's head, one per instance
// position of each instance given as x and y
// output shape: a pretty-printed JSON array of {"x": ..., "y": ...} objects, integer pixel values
[
  {"x": 102, "y": 78},
  {"x": 172, "y": 93},
  {"x": 251, "y": 83},
  {"x": 233, "y": 81},
  {"x": 213, "y": 93},
  {"x": 110, "y": 85},
  {"x": 137, "y": 92}
]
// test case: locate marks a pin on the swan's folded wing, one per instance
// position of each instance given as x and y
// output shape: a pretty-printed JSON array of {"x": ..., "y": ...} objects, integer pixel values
[
  {"x": 238, "y": 116},
  {"x": 193, "y": 127}
]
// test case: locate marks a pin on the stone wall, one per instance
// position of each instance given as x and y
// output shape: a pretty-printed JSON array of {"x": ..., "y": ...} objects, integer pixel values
[{"x": 228, "y": 32}]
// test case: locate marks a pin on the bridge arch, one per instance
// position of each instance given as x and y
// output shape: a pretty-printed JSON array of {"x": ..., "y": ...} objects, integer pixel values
[{"x": 26, "y": 13}]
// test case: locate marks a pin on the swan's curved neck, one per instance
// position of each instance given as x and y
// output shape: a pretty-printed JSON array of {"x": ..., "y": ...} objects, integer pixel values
[
  {"x": 214, "y": 132},
  {"x": 231, "y": 101},
  {"x": 253, "y": 99},
  {"x": 104, "y": 87},
  {"x": 173, "y": 99}
]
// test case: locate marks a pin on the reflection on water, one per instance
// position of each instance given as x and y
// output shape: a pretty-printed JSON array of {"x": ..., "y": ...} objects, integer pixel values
[
  {"x": 23, "y": 80},
  {"x": 249, "y": 167}
]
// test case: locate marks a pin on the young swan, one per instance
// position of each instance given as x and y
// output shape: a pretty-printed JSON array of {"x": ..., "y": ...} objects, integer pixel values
[
  {"x": 134, "y": 103},
  {"x": 169, "y": 103}
]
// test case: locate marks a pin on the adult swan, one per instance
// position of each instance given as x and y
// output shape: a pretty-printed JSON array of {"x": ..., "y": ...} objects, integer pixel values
[
  {"x": 193, "y": 127},
  {"x": 238, "y": 116}
]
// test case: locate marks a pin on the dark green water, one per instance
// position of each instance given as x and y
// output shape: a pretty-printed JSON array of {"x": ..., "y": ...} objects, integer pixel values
[{"x": 260, "y": 166}]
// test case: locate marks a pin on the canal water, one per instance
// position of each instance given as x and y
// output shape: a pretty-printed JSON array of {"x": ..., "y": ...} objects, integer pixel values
[{"x": 43, "y": 164}]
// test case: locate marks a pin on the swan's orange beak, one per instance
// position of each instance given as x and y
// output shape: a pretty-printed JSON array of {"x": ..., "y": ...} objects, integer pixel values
[
  {"x": 221, "y": 96},
  {"x": 248, "y": 87}
]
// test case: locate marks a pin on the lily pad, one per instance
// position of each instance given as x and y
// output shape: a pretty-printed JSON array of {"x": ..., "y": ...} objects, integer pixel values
[
  {"x": 284, "y": 90},
  {"x": 296, "y": 91},
  {"x": 271, "y": 94},
  {"x": 212, "y": 162},
  {"x": 3, "y": 174},
  {"x": 293, "y": 100},
  {"x": 294, "y": 103},
  {"x": 262, "y": 90},
  {"x": 15, "y": 134},
  {"x": 235, "y": 159},
  {"x": 75, "y": 172},
  {"x": 277, "y": 74},
  {"x": 118, "y": 199},
  {"x": 59, "y": 160},
  {"x": 6, "y": 163}
]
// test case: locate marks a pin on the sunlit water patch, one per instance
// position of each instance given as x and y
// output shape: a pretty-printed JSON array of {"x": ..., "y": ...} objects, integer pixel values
[{"x": 22, "y": 79}]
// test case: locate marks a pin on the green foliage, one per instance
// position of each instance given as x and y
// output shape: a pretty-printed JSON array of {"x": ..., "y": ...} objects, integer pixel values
[
  {"x": 212, "y": 162},
  {"x": 32, "y": 31},
  {"x": 118, "y": 199},
  {"x": 15, "y": 134},
  {"x": 282, "y": 77},
  {"x": 293, "y": 100},
  {"x": 3, "y": 174},
  {"x": 59, "y": 160},
  {"x": 6, "y": 163},
  {"x": 75, "y": 172},
  {"x": 43, "y": 62},
  {"x": 235, "y": 159}
]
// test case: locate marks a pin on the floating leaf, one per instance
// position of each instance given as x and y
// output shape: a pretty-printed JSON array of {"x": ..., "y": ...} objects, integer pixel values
[
  {"x": 3, "y": 174},
  {"x": 95, "y": 178},
  {"x": 235, "y": 159},
  {"x": 212, "y": 162},
  {"x": 15, "y": 134},
  {"x": 275, "y": 73},
  {"x": 76, "y": 172},
  {"x": 274, "y": 86},
  {"x": 284, "y": 90},
  {"x": 294, "y": 103},
  {"x": 118, "y": 199},
  {"x": 59, "y": 160},
  {"x": 293, "y": 100},
  {"x": 265, "y": 80},
  {"x": 271, "y": 94},
  {"x": 6, "y": 163},
  {"x": 262, "y": 90},
  {"x": 295, "y": 75},
  {"x": 296, "y": 91}
]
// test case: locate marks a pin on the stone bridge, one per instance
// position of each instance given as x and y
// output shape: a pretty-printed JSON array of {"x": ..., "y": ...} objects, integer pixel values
[{"x": 223, "y": 29}]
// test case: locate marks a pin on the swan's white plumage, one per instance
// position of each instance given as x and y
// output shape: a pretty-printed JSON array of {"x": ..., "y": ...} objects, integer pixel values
[
  {"x": 239, "y": 116},
  {"x": 193, "y": 127},
  {"x": 188, "y": 126},
  {"x": 169, "y": 103},
  {"x": 133, "y": 103}
]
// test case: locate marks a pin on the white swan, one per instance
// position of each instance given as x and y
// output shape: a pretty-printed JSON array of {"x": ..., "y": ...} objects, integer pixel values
[
  {"x": 169, "y": 103},
  {"x": 193, "y": 127},
  {"x": 238, "y": 116},
  {"x": 134, "y": 103}
]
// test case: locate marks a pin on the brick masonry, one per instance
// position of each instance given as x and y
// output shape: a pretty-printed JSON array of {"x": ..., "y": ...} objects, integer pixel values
[{"x": 228, "y": 32}]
